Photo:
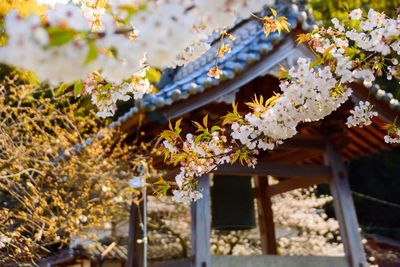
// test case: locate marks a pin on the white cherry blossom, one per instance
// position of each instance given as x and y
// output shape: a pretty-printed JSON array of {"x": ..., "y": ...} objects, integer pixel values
[
  {"x": 356, "y": 14},
  {"x": 361, "y": 115}
]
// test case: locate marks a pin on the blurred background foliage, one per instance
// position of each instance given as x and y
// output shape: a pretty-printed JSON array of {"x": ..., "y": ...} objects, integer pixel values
[
  {"x": 24, "y": 7},
  {"x": 325, "y": 10},
  {"x": 377, "y": 175}
]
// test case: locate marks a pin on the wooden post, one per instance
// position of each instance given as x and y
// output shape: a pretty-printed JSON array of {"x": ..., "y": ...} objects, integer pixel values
[
  {"x": 265, "y": 216},
  {"x": 201, "y": 226},
  {"x": 344, "y": 208},
  {"x": 135, "y": 248}
]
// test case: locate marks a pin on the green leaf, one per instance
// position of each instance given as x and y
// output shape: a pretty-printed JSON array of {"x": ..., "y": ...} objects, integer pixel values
[
  {"x": 153, "y": 75},
  {"x": 179, "y": 158},
  {"x": 235, "y": 107},
  {"x": 284, "y": 23},
  {"x": 78, "y": 87},
  {"x": 106, "y": 87},
  {"x": 283, "y": 73},
  {"x": 128, "y": 8},
  {"x": 59, "y": 36},
  {"x": 178, "y": 124},
  {"x": 205, "y": 121},
  {"x": 326, "y": 52},
  {"x": 161, "y": 187},
  {"x": 271, "y": 101},
  {"x": 198, "y": 139},
  {"x": 273, "y": 12},
  {"x": 215, "y": 128},
  {"x": 62, "y": 88},
  {"x": 316, "y": 62},
  {"x": 92, "y": 52},
  {"x": 236, "y": 156},
  {"x": 304, "y": 37},
  {"x": 166, "y": 154},
  {"x": 230, "y": 117},
  {"x": 198, "y": 125}
]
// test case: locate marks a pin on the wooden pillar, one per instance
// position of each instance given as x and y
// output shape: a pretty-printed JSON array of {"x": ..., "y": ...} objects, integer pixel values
[
  {"x": 135, "y": 248},
  {"x": 265, "y": 216},
  {"x": 201, "y": 226},
  {"x": 344, "y": 208}
]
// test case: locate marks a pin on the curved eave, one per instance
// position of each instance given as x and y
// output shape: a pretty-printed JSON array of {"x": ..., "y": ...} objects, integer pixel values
[
  {"x": 181, "y": 98},
  {"x": 252, "y": 54}
]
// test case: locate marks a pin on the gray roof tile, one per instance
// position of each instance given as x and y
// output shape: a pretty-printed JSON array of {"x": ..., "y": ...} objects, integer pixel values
[{"x": 249, "y": 46}]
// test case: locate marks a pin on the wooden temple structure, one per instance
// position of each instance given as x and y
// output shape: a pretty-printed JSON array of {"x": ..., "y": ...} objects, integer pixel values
[{"x": 318, "y": 154}]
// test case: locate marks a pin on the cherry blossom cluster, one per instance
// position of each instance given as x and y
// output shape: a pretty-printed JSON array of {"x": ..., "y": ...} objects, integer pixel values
[
  {"x": 70, "y": 42},
  {"x": 42, "y": 49},
  {"x": 362, "y": 48},
  {"x": 309, "y": 99},
  {"x": 94, "y": 13},
  {"x": 105, "y": 95},
  {"x": 294, "y": 213},
  {"x": 375, "y": 52},
  {"x": 302, "y": 228},
  {"x": 352, "y": 44},
  {"x": 308, "y": 230},
  {"x": 361, "y": 115},
  {"x": 309, "y": 95},
  {"x": 393, "y": 136},
  {"x": 198, "y": 157}
]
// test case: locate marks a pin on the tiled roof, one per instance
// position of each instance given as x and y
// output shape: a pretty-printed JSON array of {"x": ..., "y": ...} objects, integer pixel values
[
  {"x": 249, "y": 46},
  {"x": 380, "y": 94}
]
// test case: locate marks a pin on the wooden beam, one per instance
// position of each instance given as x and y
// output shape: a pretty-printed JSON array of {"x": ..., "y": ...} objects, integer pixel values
[
  {"x": 135, "y": 248},
  {"x": 265, "y": 216},
  {"x": 344, "y": 209},
  {"x": 291, "y": 156},
  {"x": 201, "y": 226},
  {"x": 281, "y": 170},
  {"x": 274, "y": 169},
  {"x": 262, "y": 169},
  {"x": 305, "y": 142},
  {"x": 294, "y": 183}
]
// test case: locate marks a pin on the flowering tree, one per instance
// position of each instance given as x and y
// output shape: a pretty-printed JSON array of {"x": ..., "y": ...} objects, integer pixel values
[
  {"x": 48, "y": 190},
  {"x": 303, "y": 229},
  {"x": 309, "y": 230},
  {"x": 363, "y": 47},
  {"x": 105, "y": 48}
]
